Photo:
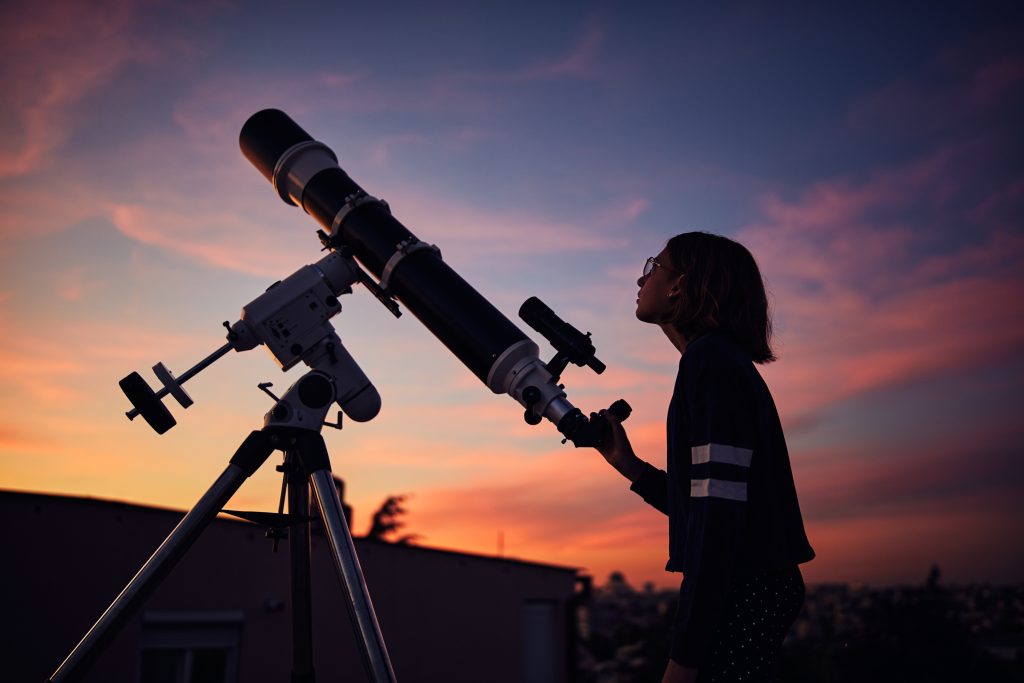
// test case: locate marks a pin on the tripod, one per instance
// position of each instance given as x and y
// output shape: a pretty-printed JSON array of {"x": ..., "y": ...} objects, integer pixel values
[{"x": 292, "y": 426}]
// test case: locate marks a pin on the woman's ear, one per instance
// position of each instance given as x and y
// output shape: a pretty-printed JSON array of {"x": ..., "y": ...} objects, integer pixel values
[{"x": 677, "y": 287}]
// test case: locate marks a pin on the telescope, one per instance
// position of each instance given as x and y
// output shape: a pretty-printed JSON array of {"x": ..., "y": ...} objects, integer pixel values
[
  {"x": 305, "y": 173},
  {"x": 291, "y": 319}
]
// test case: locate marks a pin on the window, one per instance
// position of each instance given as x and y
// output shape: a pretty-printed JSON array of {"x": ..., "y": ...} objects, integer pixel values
[
  {"x": 190, "y": 647},
  {"x": 540, "y": 641}
]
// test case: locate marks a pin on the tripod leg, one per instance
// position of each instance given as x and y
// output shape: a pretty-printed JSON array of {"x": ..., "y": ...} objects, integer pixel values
[
  {"x": 375, "y": 652},
  {"x": 298, "y": 547},
  {"x": 250, "y": 455}
]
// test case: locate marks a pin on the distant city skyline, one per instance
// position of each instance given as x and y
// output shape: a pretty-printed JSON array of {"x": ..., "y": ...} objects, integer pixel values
[{"x": 869, "y": 156}]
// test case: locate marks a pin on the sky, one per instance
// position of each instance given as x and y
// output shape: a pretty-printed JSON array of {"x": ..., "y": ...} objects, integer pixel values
[{"x": 868, "y": 154}]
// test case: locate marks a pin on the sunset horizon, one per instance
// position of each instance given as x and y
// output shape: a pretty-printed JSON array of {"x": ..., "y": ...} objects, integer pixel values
[{"x": 874, "y": 173}]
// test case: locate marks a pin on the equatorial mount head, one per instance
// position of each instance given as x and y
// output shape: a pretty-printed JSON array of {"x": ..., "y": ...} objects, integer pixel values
[{"x": 292, "y": 321}]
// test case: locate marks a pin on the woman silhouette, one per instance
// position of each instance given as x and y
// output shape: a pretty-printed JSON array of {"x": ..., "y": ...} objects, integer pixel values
[{"x": 735, "y": 530}]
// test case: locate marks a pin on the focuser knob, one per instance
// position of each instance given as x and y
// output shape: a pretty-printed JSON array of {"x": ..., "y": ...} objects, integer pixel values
[{"x": 530, "y": 397}]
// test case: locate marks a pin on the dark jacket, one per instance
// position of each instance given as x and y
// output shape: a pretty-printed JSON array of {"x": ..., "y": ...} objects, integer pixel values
[{"x": 728, "y": 493}]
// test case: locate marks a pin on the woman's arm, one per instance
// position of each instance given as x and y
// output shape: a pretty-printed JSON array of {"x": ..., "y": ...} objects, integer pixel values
[{"x": 649, "y": 482}]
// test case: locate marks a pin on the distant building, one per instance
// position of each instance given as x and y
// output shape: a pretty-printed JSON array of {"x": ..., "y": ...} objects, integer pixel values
[{"x": 446, "y": 616}]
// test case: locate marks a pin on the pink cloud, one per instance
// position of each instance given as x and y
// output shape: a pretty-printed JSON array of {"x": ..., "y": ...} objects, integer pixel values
[
  {"x": 53, "y": 57},
  {"x": 76, "y": 284},
  {"x": 48, "y": 370},
  {"x": 41, "y": 368},
  {"x": 966, "y": 87},
  {"x": 213, "y": 112},
  {"x": 168, "y": 212},
  {"x": 548, "y": 506},
  {"x": 966, "y": 541},
  {"x": 863, "y": 301},
  {"x": 993, "y": 81},
  {"x": 13, "y": 437},
  {"x": 866, "y": 480},
  {"x": 627, "y": 210},
  {"x": 462, "y": 89},
  {"x": 380, "y": 154},
  {"x": 882, "y": 519},
  {"x": 473, "y": 232},
  {"x": 217, "y": 238},
  {"x": 831, "y": 353},
  {"x": 30, "y": 210},
  {"x": 580, "y": 62},
  {"x": 229, "y": 240}
]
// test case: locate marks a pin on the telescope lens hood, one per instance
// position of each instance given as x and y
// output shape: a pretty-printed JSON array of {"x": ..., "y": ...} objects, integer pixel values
[{"x": 266, "y": 136}]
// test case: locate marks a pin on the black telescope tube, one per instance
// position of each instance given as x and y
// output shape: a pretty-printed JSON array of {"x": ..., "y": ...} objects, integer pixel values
[{"x": 467, "y": 323}]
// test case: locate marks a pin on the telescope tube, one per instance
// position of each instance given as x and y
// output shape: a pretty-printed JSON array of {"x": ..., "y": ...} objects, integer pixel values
[{"x": 306, "y": 173}]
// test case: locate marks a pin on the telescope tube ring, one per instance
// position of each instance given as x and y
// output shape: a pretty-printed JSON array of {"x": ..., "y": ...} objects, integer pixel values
[
  {"x": 403, "y": 249},
  {"x": 353, "y": 202}
]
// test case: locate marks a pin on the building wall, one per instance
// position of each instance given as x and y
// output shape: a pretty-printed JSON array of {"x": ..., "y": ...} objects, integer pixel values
[{"x": 445, "y": 616}]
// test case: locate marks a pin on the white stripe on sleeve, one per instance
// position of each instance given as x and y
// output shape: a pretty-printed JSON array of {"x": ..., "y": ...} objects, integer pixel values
[
  {"x": 716, "y": 452},
  {"x": 719, "y": 488}
]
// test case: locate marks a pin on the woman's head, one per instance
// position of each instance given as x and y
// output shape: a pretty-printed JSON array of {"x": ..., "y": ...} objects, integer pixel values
[{"x": 706, "y": 282}]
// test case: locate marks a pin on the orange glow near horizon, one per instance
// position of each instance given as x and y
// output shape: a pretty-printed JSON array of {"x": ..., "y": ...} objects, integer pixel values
[{"x": 130, "y": 227}]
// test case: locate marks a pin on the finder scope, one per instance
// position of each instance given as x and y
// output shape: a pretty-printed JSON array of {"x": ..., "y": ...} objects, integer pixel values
[{"x": 572, "y": 345}]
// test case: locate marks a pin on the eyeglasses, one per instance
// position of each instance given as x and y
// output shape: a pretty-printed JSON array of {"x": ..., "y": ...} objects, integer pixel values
[{"x": 652, "y": 263}]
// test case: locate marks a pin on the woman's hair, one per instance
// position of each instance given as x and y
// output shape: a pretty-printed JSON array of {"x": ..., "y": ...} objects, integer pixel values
[{"x": 722, "y": 290}]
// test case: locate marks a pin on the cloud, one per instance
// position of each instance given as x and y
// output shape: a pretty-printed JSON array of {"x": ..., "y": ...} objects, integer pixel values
[
  {"x": 54, "y": 56},
  {"x": 473, "y": 231},
  {"x": 965, "y": 536},
  {"x": 844, "y": 482},
  {"x": 565, "y": 507},
  {"x": 219, "y": 102},
  {"x": 875, "y": 285},
  {"x": 467, "y": 91},
  {"x": 580, "y": 62},
  {"x": 76, "y": 283},
  {"x": 49, "y": 370},
  {"x": 40, "y": 369},
  {"x": 14, "y": 437},
  {"x": 231, "y": 240},
  {"x": 991, "y": 83},
  {"x": 970, "y": 85},
  {"x": 201, "y": 208},
  {"x": 217, "y": 238},
  {"x": 916, "y": 268}
]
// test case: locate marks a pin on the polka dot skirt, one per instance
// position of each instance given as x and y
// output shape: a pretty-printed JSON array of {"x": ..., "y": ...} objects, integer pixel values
[{"x": 759, "y": 612}]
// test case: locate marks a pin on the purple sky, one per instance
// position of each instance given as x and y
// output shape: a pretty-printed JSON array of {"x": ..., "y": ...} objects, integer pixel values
[{"x": 870, "y": 157}]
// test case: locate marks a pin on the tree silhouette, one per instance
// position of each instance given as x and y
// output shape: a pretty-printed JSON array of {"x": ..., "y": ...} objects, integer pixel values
[{"x": 387, "y": 521}]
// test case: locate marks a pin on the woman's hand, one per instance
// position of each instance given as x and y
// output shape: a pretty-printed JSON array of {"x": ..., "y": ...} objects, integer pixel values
[{"x": 617, "y": 450}]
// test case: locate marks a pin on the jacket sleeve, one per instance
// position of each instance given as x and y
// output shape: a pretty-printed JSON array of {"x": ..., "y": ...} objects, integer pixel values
[
  {"x": 652, "y": 486},
  {"x": 723, "y": 428}
]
